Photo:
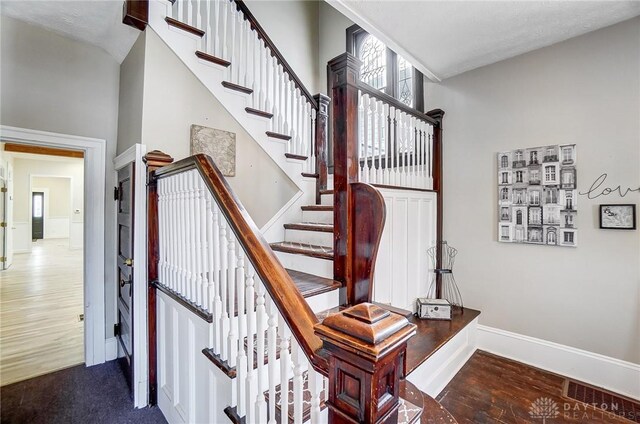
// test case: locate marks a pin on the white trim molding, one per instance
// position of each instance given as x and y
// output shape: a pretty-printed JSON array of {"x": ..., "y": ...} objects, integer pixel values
[
  {"x": 94, "y": 205},
  {"x": 598, "y": 370},
  {"x": 140, "y": 384}
]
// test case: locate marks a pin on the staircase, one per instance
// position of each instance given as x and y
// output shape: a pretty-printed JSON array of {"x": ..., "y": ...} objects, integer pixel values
[{"x": 263, "y": 361}]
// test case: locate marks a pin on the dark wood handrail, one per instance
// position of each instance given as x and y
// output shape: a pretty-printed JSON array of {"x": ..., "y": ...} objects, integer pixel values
[
  {"x": 367, "y": 89},
  {"x": 281, "y": 288},
  {"x": 262, "y": 34}
]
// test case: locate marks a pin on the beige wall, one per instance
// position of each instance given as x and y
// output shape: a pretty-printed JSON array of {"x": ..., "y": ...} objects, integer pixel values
[
  {"x": 174, "y": 99},
  {"x": 59, "y": 202},
  {"x": 333, "y": 39},
  {"x": 584, "y": 91},
  {"x": 53, "y": 83},
  {"x": 293, "y": 27},
  {"x": 131, "y": 95}
]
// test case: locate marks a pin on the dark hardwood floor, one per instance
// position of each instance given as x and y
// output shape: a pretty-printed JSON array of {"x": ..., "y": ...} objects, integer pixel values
[{"x": 492, "y": 389}]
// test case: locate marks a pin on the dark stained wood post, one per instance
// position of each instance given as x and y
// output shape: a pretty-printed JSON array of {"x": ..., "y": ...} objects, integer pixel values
[
  {"x": 438, "y": 114},
  {"x": 136, "y": 13},
  {"x": 366, "y": 346},
  {"x": 345, "y": 74},
  {"x": 154, "y": 160},
  {"x": 322, "y": 142}
]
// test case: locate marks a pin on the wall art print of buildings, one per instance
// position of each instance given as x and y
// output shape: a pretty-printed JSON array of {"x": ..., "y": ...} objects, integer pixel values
[{"x": 537, "y": 196}]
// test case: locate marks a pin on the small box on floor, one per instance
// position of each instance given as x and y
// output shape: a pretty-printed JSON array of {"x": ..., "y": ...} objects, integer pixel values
[{"x": 434, "y": 308}]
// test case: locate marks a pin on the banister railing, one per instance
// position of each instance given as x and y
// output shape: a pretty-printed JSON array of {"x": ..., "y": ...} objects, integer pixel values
[
  {"x": 210, "y": 255},
  {"x": 396, "y": 141},
  {"x": 232, "y": 37},
  {"x": 380, "y": 141}
]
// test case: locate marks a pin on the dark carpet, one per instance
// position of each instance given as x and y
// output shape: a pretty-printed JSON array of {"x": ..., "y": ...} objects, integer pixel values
[{"x": 98, "y": 394}]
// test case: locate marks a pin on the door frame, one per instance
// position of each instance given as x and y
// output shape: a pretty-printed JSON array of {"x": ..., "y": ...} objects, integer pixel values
[
  {"x": 94, "y": 224},
  {"x": 140, "y": 380},
  {"x": 45, "y": 200}
]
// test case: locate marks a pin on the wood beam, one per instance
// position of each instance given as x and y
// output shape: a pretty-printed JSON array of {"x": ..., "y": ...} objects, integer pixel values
[{"x": 40, "y": 150}]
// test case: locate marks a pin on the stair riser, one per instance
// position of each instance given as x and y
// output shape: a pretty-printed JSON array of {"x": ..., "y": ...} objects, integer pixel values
[
  {"x": 308, "y": 264},
  {"x": 319, "y": 238},
  {"x": 323, "y": 217},
  {"x": 324, "y": 301},
  {"x": 326, "y": 199}
]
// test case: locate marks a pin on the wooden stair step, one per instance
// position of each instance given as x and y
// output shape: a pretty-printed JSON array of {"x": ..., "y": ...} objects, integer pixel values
[
  {"x": 306, "y": 399},
  {"x": 322, "y": 252},
  {"x": 278, "y": 135},
  {"x": 236, "y": 87},
  {"x": 213, "y": 59},
  {"x": 310, "y": 226},
  {"x": 311, "y": 285},
  {"x": 297, "y": 157},
  {"x": 317, "y": 208},
  {"x": 185, "y": 27},
  {"x": 420, "y": 406},
  {"x": 258, "y": 112}
]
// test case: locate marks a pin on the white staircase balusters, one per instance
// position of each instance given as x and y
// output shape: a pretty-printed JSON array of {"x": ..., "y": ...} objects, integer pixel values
[
  {"x": 224, "y": 290},
  {"x": 297, "y": 360},
  {"x": 272, "y": 342},
  {"x": 231, "y": 281},
  {"x": 285, "y": 365},
  {"x": 261, "y": 330},
  {"x": 198, "y": 229},
  {"x": 243, "y": 294}
]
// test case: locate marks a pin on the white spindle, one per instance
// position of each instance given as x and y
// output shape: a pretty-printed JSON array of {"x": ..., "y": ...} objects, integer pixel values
[
  {"x": 261, "y": 324},
  {"x": 190, "y": 12},
  {"x": 297, "y": 358},
  {"x": 180, "y": 7},
  {"x": 199, "y": 5},
  {"x": 232, "y": 344},
  {"x": 242, "y": 362},
  {"x": 264, "y": 54},
  {"x": 223, "y": 19},
  {"x": 285, "y": 365},
  {"x": 315, "y": 388},
  {"x": 198, "y": 228},
  {"x": 217, "y": 302},
  {"x": 251, "y": 331},
  {"x": 272, "y": 341},
  {"x": 224, "y": 289}
]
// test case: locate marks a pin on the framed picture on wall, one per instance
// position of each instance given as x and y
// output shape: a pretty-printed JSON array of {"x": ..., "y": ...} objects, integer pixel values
[{"x": 618, "y": 217}]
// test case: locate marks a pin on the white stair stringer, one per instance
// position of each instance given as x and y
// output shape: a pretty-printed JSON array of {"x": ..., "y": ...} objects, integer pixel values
[{"x": 184, "y": 45}]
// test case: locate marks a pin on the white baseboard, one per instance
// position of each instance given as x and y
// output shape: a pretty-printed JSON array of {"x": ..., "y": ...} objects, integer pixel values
[
  {"x": 598, "y": 370},
  {"x": 111, "y": 349},
  {"x": 435, "y": 373}
]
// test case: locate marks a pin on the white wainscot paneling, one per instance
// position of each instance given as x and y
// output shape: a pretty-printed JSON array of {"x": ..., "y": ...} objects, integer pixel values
[
  {"x": 21, "y": 237},
  {"x": 76, "y": 231},
  {"x": 190, "y": 388},
  {"x": 402, "y": 266},
  {"x": 56, "y": 227}
]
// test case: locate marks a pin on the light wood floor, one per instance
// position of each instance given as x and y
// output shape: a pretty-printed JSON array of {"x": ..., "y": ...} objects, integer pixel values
[{"x": 41, "y": 297}]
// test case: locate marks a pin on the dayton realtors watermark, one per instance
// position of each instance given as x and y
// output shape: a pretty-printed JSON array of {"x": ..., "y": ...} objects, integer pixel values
[{"x": 547, "y": 409}]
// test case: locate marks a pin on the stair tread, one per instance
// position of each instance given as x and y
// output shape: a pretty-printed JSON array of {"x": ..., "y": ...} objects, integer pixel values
[
  {"x": 322, "y": 252},
  {"x": 213, "y": 59},
  {"x": 183, "y": 26},
  {"x": 294, "y": 156},
  {"x": 433, "y": 334},
  {"x": 311, "y": 285},
  {"x": 237, "y": 87},
  {"x": 310, "y": 175},
  {"x": 258, "y": 112},
  {"x": 326, "y": 191},
  {"x": 278, "y": 135},
  {"x": 317, "y": 208},
  {"x": 310, "y": 226}
]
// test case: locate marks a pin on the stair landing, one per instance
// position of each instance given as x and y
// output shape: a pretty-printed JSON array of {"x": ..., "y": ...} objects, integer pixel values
[{"x": 433, "y": 334}]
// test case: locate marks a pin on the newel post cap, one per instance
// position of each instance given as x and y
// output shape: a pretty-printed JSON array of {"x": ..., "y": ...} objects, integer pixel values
[{"x": 366, "y": 329}]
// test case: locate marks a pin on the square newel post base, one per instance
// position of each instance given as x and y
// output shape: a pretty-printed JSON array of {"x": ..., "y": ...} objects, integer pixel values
[{"x": 366, "y": 346}]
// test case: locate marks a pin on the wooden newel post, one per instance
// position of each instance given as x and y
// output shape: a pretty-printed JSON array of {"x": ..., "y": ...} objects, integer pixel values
[
  {"x": 322, "y": 142},
  {"x": 438, "y": 114},
  {"x": 345, "y": 74},
  {"x": 366, "y": 346},
  {"x": 154, "y": 160}
]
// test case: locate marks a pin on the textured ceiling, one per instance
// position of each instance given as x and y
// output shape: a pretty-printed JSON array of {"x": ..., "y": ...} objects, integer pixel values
[
  {"x": 448, "y": 38},
  {"x": 96, "y": 22}
]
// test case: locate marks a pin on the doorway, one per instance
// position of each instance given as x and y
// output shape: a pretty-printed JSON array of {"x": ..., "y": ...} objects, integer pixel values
[
  {"x": 42, "y": 317},
  {"x": 37, "y": 215}
]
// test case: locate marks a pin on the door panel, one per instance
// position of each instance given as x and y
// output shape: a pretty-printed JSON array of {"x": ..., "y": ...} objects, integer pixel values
[
  {"x": 125, "y": 268},
  {"x": 37, "y": 215}
]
